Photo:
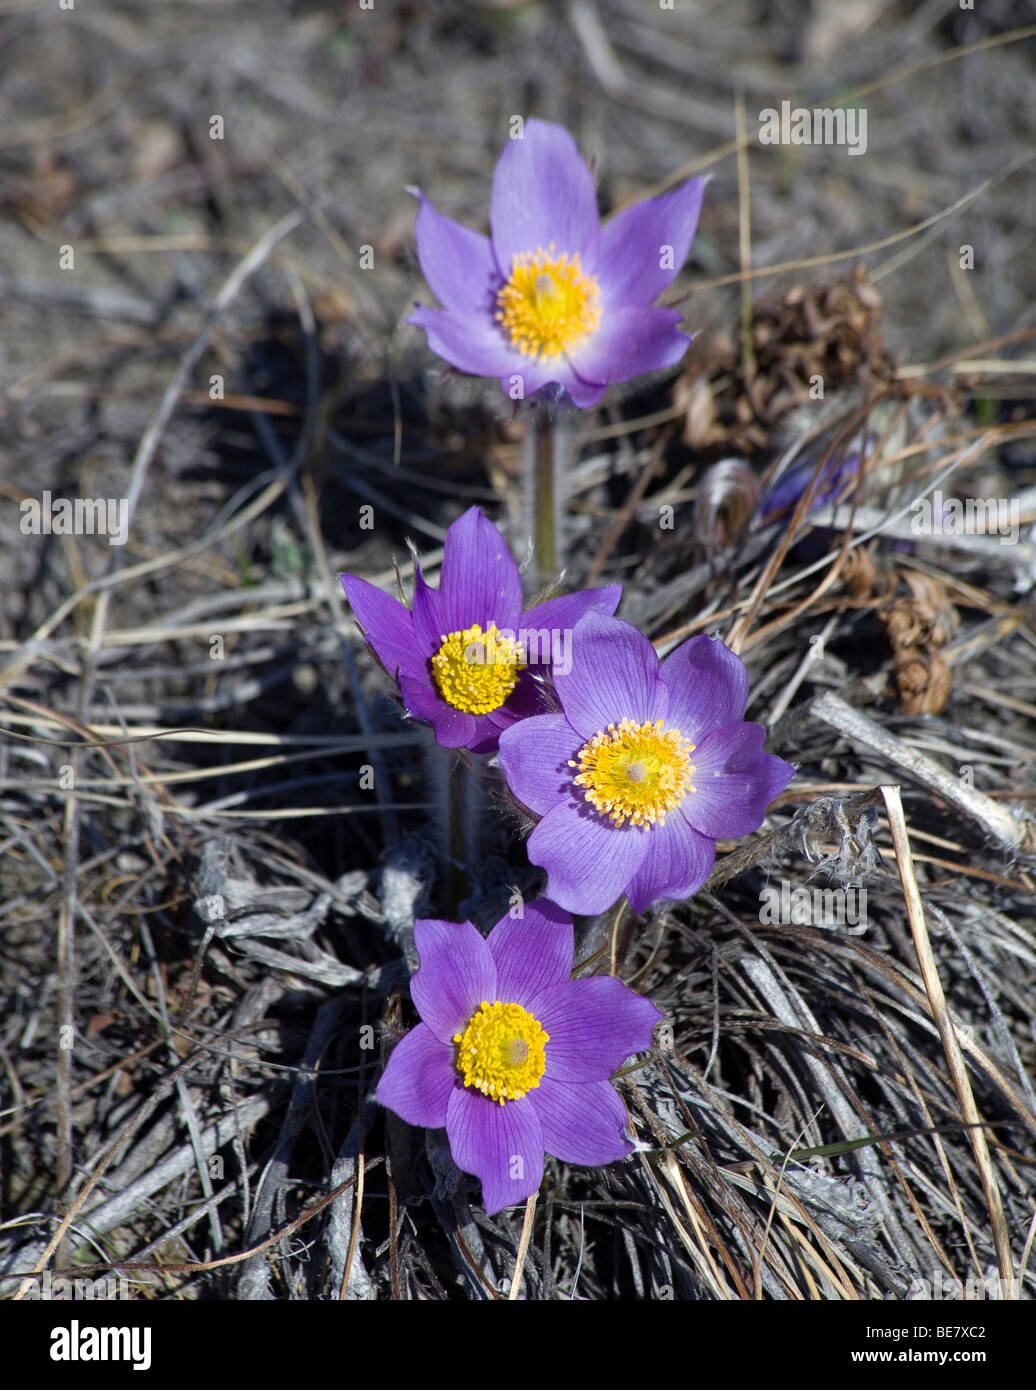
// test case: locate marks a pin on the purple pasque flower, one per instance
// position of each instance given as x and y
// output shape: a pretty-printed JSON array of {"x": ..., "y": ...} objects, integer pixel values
[
  {"x": 466, "y": 658},
  {"x": 785, "y": 493},
  {"x": 552, "y": 296},
  {"x": 646, "y": 767},
  {"x": 512, "y": 1056}
]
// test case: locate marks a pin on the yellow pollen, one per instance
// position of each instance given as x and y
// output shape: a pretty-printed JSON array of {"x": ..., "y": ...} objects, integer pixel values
[
  {"x": 501, "y": 1051},
  {"x": 635, "y": 772},
  {"x": 475, "y": 670},
  {"x": 548, "y": 305}
]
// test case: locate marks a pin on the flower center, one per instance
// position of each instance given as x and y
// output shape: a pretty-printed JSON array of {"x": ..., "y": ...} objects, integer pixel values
[
  {"x": 548, "y": 305},
  {"x": 475, "y": 670},
  {"x": 501, "y": 1051},
  {"x": 635, "y": 772}
]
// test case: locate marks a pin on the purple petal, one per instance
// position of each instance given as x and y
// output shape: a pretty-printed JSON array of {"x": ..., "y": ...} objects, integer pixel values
[
  {"x": 581, "y": 1124},
  {"x": 527, "y": 700},
  {"x": 635, "y": 244},
  {"x": 777, "y": 774},
  {"x": 561, "y": 614},
  {"x": 457, "y": 975},
  {"x": 470, "y": 342},
  {"x": 708, "y": 687},
  {"x": 387, "y": 625},
  {"x": 429, "y": 628},
  {"x": 479, "y": 581},
  {"x": 457, "y": 262},
  {"x": 475, "y": 343},
  {"x": 792, "y": 484},
  {"x": 629, "y": 342},
  {"x": 593, "y": 1026},
  {"x": 677, "y": 863},
  {"x": 531, "y": 951},
  {"x": 534, "y": 756},
  {"x": 614, "y": 676},
  {"x": 486, "y": 738},
  {"x": 588, "y": 860},
  {"x": 533, "y": 374},
  {"x": 582, "y": 394},
  {"x": 453, "y": 728},
  {"x": 501, "y": 1144},
  {"x": 543, "y": 192},
  {"x": 419, "y": 1079},
  {"x": 734, "y": 782}
]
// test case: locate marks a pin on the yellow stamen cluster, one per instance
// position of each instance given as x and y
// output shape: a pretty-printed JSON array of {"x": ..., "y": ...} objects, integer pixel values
[
  {"x": 548, "y": 305},
  {"x": 501, "y": 1051},
  {"x": 475, "y": 670},
  {"x": 635, "y": 772}
]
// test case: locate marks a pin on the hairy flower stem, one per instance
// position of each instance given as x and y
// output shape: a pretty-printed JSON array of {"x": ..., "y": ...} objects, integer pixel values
[
  {"x": 546, "y": 439},
  {"x": 456, "y": 795}
]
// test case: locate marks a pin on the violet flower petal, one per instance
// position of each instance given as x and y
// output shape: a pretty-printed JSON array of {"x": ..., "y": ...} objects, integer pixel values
[
  {"x": 581, "y": 1124},
  {"x": 561, "y": 614},
  {"x": 386, "y": 623},
  {"x": 495, "y": 1141},
  {"x": 471, "y": 342},
  {"x": 583, "y": 394},
  {"x": 532, "y": 952},
  {"x": 543, "y": 192},
  {"x": 588, "y": 860},
  {"x": 456, "y": 976},
  {"x": 629, "y": 257},
  {"x": 678, "y": 861},
  {"x": 526, "y": 701},
  {"x": 533, "y": 374},
  {"x": 534, "y": 756},
  {"x": 708, "y": 687},
  {"x": 429, "y": 627},
  {"x": 593, "y": 1025},
  {"x": 776, "y": 776},
  {"x": 486, "y": 738},
  {"x": 458, "y": 263},
  {"x": 475, "y": 343},
  {"x": 419, "y": 1078},
  {"x": 614, "y": 676},
  {"x": 453, "y": 728},
  {"x": 733, "y": 784},
  {"x": 786, "y": 492},
  {"x": 630, "y": 341},
  {"x": 479, "y": 581}
]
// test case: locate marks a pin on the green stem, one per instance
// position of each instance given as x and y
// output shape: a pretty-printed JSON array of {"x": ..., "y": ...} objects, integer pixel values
[{"x": 545, "y": 440}]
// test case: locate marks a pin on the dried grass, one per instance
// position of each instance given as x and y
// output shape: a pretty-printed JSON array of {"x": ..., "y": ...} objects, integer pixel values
[{"x": 207, "y": 913}]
